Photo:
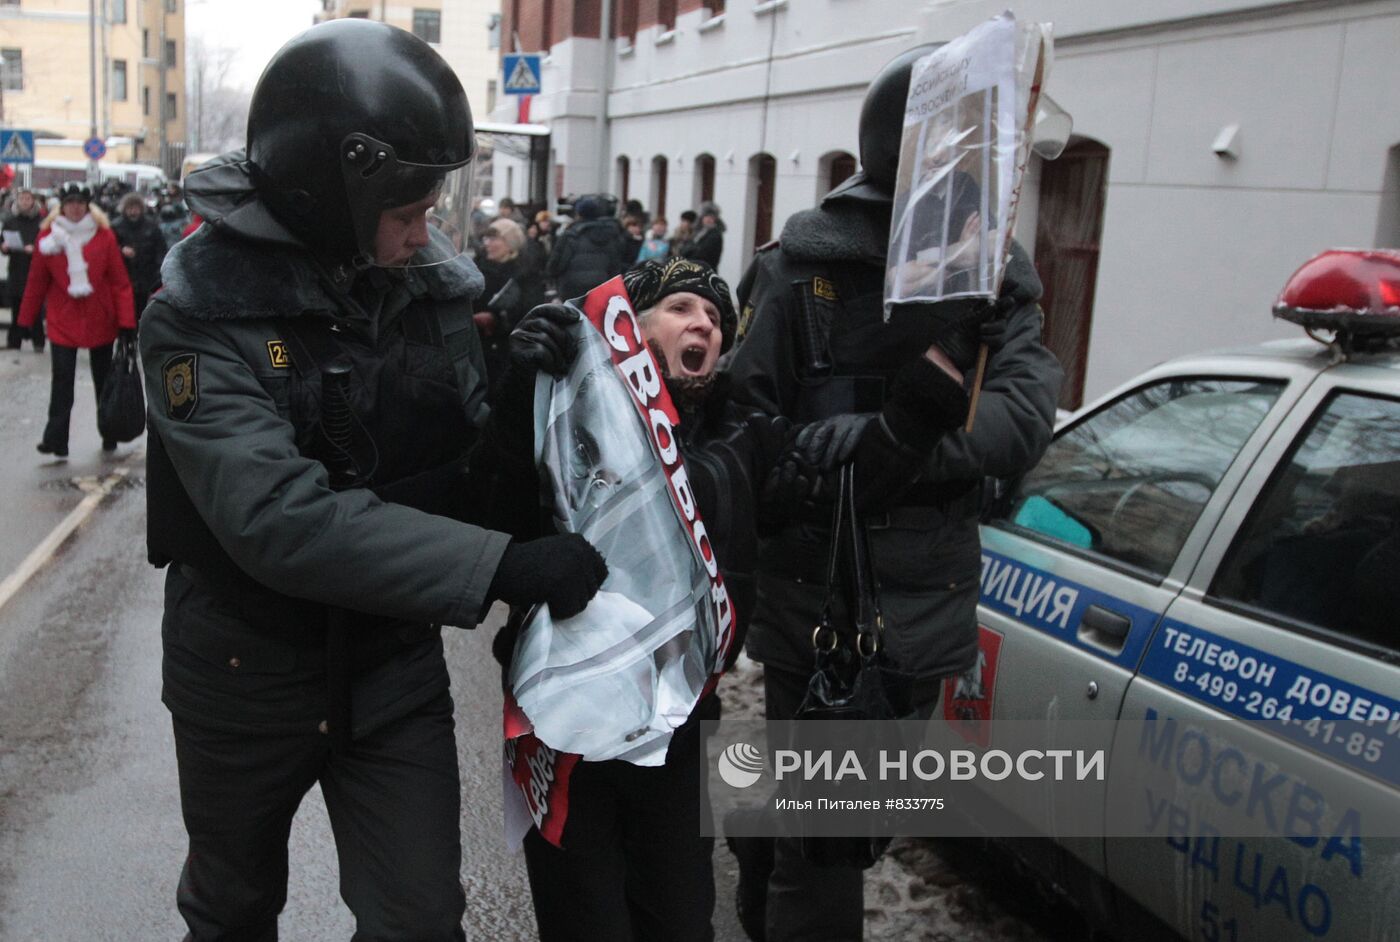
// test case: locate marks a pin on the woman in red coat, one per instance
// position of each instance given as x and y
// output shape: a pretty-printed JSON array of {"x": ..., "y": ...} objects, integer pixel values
[{"x": 78, "y": 272}]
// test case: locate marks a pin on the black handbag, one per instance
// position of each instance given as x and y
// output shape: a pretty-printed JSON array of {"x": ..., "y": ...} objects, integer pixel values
[
  {"x": 847, "y": 682},
  {"x": 849, "y": 678},
  {"x": 121, "y": 407}
]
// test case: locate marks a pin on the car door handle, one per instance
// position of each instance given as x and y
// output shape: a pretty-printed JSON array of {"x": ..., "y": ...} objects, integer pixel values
[{"x": 1107, "y": 623}]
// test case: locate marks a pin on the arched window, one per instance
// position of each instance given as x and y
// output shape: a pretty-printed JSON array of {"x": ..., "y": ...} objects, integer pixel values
[
  {"x": 762, "y": 179},
  {"x": 832, "y": 170},
  {"x": 1069, "y": 222},
  {"x": 704, "y": 179},
  {"x": 658, "y": 185},
  {"x": 624, "y": 178}
]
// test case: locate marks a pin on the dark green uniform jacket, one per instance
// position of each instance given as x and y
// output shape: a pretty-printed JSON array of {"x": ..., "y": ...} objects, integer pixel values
[
  {"x": 265, "y": 545},
  {"x": 814, "y": 344}
]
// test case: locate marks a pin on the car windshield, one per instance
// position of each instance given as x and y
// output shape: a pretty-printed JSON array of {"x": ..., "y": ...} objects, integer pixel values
[{"x": 1130, "y": 481}]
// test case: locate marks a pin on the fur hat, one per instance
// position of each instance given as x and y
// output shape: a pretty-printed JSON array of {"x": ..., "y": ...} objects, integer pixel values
[
  {"x": 73, "y": 191},
  {"x": 653, "y": 279}
]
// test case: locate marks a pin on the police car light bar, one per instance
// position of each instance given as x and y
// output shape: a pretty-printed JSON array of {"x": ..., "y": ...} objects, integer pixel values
[{"x": 1355, "y": 293}]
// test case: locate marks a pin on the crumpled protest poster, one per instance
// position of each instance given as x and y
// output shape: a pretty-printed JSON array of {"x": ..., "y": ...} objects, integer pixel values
[
  {"x": 967, "y": 134},
  {"x": 616, "y": 680}
]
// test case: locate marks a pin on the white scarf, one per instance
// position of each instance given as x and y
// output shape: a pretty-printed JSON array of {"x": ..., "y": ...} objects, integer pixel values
[{"x": 69, "y": 238}]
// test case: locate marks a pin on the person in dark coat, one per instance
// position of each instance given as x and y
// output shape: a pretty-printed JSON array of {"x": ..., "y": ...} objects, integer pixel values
[
  {"x": 632, "y": 863},
  {"x": 143, "y": 248},
  {"x": 633, "y": 235},
  {"x": 815, "y": 346},
  {"x": 513, "y": 285},
  {"x": 24, "y": 221},
  {"x": 683, "y": 233},
  {"x": 543, "y": 239},
  {"x": 707, "y": 245},
  {"x": 316, "y": 386},
  {"x": 589, "y": 252}
]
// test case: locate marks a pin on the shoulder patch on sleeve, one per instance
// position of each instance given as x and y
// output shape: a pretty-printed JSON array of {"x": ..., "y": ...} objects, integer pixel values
[
  {"x": 180, "y": 376},
  {"x": 745, "y": 319},
  {"x": 277, "y": 354}
]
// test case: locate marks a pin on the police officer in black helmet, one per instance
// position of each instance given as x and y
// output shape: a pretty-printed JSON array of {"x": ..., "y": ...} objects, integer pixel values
[
  {"x": 814, "y": 346},
  {"x": 316, "y": 387}
]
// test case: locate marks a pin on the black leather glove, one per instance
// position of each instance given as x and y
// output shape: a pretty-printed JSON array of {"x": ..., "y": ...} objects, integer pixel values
[
  {"x": 791, "y": 483},
  {"x": 562, "y": 571},
  {"x": 829, "y": 443},
  {"x": 984, "y": 324},
  {"x": 993, "y": 333},
  {"x": 924, "y": 403},
  {"x": 544, "y": 339}
]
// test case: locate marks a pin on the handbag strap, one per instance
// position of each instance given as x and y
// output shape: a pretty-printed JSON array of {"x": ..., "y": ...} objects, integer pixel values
[
  {"x": 870, "y": 622},
  {"x": 849, "y": 532}
]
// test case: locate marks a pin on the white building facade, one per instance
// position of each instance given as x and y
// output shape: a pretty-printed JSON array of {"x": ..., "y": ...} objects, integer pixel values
[{"x": 1219, "y": 143}]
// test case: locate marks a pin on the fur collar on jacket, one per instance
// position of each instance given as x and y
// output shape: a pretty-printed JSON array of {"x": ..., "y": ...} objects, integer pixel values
[
  {"x": 213, "y": 275},
  {"x": 840, "y": 232}
]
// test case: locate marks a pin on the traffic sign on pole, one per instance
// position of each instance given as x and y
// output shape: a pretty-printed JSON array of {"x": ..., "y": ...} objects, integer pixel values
[
  {"x": 16, "y": 147},
  {"x": 95, "y": 148},
  {"x": 521, "y": 73}
]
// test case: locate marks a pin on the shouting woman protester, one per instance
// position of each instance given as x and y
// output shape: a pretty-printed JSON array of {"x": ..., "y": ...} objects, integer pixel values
[
  {"x": 79, "y": 275},
  {"x": 632, "y": 862}
]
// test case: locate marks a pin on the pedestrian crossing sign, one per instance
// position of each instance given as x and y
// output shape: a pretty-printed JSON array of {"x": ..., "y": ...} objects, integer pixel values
[
  {"x": 522, "y": 74},
  {"x": 16, "y": 147}
]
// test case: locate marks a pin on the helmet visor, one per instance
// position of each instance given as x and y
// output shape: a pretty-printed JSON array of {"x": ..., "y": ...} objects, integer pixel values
[
  {"x": 446, "y": 208},
  {"x": 391, "y": 202}
]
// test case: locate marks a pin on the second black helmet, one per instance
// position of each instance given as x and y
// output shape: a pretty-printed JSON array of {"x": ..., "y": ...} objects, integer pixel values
[
  {"x": 350, "y": 118},
  {"x": 882, "y": 116}
]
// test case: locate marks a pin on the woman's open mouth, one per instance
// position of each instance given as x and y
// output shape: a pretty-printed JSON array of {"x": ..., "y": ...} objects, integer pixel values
[{"x": 693, "y": 358}]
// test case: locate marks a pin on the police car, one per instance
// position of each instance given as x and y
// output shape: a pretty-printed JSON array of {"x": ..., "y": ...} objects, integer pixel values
[{"x": 1219, "y": 540}]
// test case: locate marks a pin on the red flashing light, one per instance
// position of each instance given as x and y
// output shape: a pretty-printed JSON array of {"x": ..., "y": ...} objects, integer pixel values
[{"x": 1352, "y": 291}]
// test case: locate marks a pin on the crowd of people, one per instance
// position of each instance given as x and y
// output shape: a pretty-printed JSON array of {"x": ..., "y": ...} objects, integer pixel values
[{"x": 341, "y": 461}]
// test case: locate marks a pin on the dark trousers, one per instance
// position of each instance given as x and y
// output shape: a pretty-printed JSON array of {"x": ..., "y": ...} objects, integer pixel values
[
  {"x": 65, "y": 366},
  {"x": 808, "y": 902},
  {"x": 17, "y": 333},
  {"x": 637, "y": 869},
  {"x": 139, "y": 299},
  {"x": 394, "y": 804}
]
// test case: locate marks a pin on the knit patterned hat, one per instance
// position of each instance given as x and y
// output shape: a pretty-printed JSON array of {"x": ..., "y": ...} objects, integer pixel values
[{"x": 652, "y": 280}]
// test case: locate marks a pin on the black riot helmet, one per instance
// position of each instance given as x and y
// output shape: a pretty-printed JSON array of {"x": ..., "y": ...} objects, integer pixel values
[
  {"x": 350, "y": 118},
  {"x": 882, "y": 117}
]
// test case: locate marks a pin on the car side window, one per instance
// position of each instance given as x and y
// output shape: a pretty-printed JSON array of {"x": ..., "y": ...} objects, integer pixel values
[
  {"x": 1128, "y": 482},
  {"x": 1321, "y": 546}
]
